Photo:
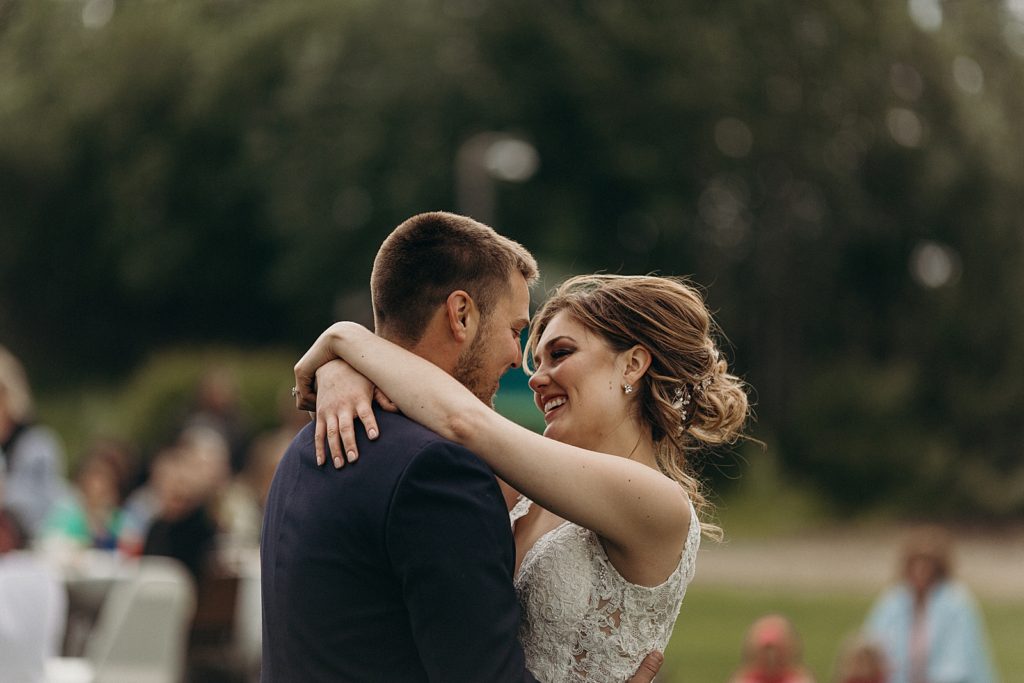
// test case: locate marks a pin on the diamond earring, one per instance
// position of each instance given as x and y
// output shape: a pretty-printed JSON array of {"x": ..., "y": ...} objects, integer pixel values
[{"x": 627, "y": 388}]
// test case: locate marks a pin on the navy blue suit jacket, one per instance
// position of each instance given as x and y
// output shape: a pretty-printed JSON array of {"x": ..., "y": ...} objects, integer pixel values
[{"x": 396, "y": 568}]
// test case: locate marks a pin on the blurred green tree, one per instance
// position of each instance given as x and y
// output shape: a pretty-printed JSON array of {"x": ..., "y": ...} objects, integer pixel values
[{"x": 843, "y": 176}]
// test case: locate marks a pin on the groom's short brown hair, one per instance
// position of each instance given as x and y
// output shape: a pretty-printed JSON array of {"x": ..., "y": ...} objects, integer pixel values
[{"x": 431, "y": 255}]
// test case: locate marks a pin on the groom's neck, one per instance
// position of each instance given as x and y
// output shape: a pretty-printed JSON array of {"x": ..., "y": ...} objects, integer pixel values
[{"x": 433, "y": 346}]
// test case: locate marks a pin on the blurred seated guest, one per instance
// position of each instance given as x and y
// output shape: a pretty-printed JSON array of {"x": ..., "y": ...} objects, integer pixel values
[
  {"x": 217, "y": 406},
  {"x": 13, "y": 535},
  {"x": 204, "y": 451},
  {"x": 33, "y": 606},
  {"x": 862, "y": 660},
  {"x": 771, "y": 653},
  {"x": 142, "y": 505},
  {"x": 207, "y": 452},
  {"x": 240, "y": 512},
  {"x": 193, "y": 475},
  {"x": 929, "y": 623},
  {"x": 91, "y": 516},
  {"x": 32, "y": 453}
]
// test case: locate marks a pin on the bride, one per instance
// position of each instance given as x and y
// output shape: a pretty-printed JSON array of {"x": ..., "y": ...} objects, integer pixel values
[{"x": 630, "y": 381}]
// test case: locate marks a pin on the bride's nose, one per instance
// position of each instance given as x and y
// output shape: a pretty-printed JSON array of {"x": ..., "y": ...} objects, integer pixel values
[{"x": 538, "y": 380}]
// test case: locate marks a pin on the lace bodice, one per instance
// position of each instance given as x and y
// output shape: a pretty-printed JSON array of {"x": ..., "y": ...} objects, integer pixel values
[{"x": 583, "y": 622}]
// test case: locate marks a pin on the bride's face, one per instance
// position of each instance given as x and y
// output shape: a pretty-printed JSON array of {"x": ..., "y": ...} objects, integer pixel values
[{"x": 577, "y": 384}]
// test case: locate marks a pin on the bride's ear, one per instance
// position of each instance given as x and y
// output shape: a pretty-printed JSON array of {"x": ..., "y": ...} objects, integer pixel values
[
  {"x": 463, "y": 316},
  {"x": 637, "y": 360}
]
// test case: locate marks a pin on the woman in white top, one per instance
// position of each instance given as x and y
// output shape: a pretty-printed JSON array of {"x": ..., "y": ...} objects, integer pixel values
[
  {"x": 33, "y": 605},
  {"x": 630, "y": 381}
]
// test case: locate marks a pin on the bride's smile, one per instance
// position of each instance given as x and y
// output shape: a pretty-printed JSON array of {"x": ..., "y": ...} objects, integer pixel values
[
  {"x": 577, "y": 384},
  {"x": 551, "y": 404}
]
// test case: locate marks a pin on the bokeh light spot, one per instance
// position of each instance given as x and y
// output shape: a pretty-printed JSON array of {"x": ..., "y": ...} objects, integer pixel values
[
  {"x": 733, "y": 138},
  {"x": 968, "y": 75},
  {"x": 723, "y": 207},
  {"x": 1013, "y": 36},
  {"x": 934, "y": 265},
  {"x": 1015, "y": 8},
  {"x": 906, "y": 82},
  {"x": 812, "y": 31},
  {"x": 926, "y": 14},
  {"x": 512, "y": 159},
  {"x": 905, "y": 126},
  {"x": 97, "y": 13}
]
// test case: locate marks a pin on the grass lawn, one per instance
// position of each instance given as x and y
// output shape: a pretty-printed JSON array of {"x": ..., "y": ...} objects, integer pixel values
[{"x": 705, "y": 646}]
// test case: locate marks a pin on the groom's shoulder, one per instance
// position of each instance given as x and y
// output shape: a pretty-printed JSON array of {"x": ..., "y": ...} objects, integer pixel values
[
  {"x": 402, "y": 443},
  {"x": 398, "y": 428},
  {"x": 405, "y": 437},
  {"x": 398, "y": 431}
]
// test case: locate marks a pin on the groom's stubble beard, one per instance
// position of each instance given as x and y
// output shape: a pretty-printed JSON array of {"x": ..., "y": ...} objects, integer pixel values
[{"x": 470, "y": 372}]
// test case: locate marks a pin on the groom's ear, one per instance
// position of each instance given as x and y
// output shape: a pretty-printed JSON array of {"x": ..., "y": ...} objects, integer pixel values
[{"x": 463, "y": 316}]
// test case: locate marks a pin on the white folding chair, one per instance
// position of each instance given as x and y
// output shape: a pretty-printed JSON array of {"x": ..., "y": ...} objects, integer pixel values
[{"x": 142, "y": 630}]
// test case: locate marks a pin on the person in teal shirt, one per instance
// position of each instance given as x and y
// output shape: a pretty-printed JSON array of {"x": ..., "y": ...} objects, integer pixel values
[{"x": 91, "y": 515}]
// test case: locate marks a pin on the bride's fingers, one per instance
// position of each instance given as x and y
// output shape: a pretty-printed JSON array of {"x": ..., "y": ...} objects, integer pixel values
[
  {"x": 648, "y": 668},
  {"x": 319, "y": 433},
  {"x": 348, "y": 441},
  {"x": 334, "y": 427},
  {"x": 366, "y": 416},
  {"x": 383, "y": 401}
]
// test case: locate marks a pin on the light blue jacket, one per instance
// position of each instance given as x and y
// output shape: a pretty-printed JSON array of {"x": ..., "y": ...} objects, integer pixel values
[
  {"x": 957, "y": 645},
  {"x": 34, "y": 479}
]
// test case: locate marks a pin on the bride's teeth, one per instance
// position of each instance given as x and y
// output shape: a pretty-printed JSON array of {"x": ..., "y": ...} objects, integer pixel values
[{"x": 554, "y": 403}]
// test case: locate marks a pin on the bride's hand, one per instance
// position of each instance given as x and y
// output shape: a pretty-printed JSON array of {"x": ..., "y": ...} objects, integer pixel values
[
  {"x": 319, "y": 354},
  {"x": 342, "y": 396},
  {"x": 648, "y": 668}
]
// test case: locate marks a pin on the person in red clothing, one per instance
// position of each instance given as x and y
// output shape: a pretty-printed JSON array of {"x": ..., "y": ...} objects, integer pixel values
[{"x": 771, "y": 653}]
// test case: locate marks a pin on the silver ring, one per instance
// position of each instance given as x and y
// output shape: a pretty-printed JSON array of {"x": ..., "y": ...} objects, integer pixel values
[{"x": 295, "y": 392}]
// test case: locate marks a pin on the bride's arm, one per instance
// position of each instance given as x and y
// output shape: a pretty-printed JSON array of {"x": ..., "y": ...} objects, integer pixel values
[
  {"x": 626, "y": 503},
  {"x": 343, "y": 396}
]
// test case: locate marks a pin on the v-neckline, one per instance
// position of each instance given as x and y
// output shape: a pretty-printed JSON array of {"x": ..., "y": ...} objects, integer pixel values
[{"x": 529, "y": 551}]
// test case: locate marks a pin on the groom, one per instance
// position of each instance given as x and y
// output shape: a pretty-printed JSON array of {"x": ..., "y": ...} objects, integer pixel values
[{"x": 399, "y": 567}]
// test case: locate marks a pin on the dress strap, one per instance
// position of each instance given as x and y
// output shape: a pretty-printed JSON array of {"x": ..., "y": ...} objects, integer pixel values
[{"x": 519, "y": 510}]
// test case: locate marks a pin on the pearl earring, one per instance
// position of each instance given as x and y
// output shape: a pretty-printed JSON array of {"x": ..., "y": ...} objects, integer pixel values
[{"x": 627, "y": 388}]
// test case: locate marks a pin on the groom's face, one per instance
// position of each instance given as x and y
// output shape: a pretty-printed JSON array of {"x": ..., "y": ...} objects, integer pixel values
[{"x": 497, "y": 345}]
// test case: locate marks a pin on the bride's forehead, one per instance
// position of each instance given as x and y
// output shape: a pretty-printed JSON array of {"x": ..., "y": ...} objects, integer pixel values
[{"x": 563, "y": 324}]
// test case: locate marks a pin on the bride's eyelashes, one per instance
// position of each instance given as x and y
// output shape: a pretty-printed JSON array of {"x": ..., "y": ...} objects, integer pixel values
[{"x": 559, "y": 354}]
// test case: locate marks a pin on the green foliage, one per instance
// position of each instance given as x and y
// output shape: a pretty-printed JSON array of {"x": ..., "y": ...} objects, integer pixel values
[
  {"x": 157, "y": 396},
  {"x": 202, "y": 171},
  {"x": 150, "y": 406},
  {"x": 764, "y": 503}
]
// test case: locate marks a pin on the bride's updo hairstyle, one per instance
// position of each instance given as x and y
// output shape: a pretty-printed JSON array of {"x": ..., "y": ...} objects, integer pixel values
[{"x": 688, "y": 396}]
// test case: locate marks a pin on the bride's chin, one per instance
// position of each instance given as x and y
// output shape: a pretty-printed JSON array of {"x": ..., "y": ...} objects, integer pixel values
[
  {"x": 551, "y": 431},
  {"x": 554, "y": 431}
]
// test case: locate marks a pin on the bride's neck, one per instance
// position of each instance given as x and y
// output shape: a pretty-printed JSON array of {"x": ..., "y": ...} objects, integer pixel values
[
  {"x": 644, "y": 452},
  {"x": 633, "y": 444}
]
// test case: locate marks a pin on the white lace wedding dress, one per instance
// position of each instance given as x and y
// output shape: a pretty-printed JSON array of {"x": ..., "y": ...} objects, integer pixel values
[{"x": 582, "y": 622}]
